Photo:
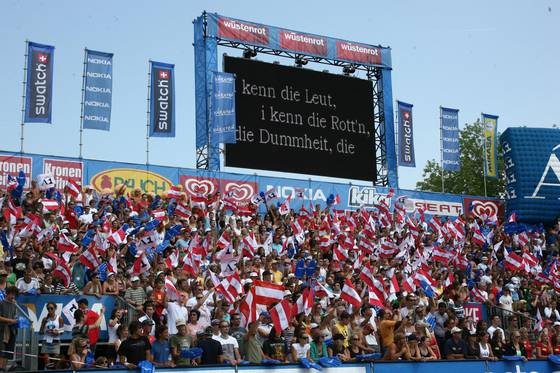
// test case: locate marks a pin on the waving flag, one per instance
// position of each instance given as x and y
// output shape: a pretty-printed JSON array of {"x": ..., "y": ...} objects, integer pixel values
[
  {"x": 350, "y": 294},
  {"x": 281, "y": 315},
  {"x": 224, "y": 240},
  {"x": 119, "y": 236},
  {"x": 67, "y": 245},
  {"x": 90, "y": 259},
  {"x": 183, "y": 211},
  {"x": 284, "y": 208},
  {"x": 267, "y": 293},
  {"x": 304, "y": 303},
  {"x": 63, "y": 273},
  {"x": 513, "y": 262},
  {"x": 73, "y": 188},
  {"x": 426, "y": 282}
]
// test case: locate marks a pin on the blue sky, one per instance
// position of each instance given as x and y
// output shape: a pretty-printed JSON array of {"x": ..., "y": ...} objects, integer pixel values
[{"x": 499, "y": 57}]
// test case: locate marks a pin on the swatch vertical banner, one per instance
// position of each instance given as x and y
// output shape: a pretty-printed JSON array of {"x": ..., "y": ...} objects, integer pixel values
[
  {"x": 162, "y": 99},
  {"x": 98, "y": 85},
  {"x": 450, "y": 139},
  {"x": 223, "y": 121},
  {"x": 39, "y": 82},
  {"x": 490, "y": 129},
  {"x": 406, "y": 135}
]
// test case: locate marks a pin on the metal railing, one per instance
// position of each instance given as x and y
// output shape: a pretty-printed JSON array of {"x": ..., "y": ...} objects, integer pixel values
[{"x": 26, "y": 347}]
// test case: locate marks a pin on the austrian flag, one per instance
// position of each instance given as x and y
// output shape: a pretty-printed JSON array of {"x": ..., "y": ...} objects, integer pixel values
[
  {"x": 281, "y": 315},
  {"x": 513, "y": 262},
  {"x": 350, "y": 294}
]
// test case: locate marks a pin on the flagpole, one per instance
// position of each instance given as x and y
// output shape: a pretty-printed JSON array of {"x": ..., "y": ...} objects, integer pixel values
[
  {"x": 23, "y": 96},
  {"x": 441, "y": 147},
  {"x": 83, "y": 98},
  {"x": 148, "y": 119},
  {"x": 483, "y": 155},
  {"x": 397, "y": 138}
]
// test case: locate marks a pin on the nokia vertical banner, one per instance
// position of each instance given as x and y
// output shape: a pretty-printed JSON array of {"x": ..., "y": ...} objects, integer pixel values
[
  {"x": 451, "y": 153},
  {"x": 162, "y": 100},
  {"x": 98, "y": 90},
  {"x": 406, "y": 135},
  {"x": 39, "y": 82},
  {"x": 223, "y": 108}
]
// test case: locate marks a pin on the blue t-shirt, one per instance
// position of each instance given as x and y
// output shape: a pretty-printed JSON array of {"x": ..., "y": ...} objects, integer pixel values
[{"x": 160, "y": 350}]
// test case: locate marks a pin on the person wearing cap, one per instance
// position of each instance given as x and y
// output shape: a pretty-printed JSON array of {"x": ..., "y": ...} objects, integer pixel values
[
  {"x": 135, "y": 295},
  {"x": 212, "y": 352},
  {"x": 180, "y": 342},
  {"x": 135, "y": 348},
  {"x": 455, "y": 347},
  {"x": 230, "y": 346},
  {"x": 147, "y": 326},
  {"x": 265, "y": 327}
]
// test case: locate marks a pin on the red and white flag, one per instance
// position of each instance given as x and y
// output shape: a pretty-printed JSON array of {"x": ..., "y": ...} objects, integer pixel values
[
  {"x": 190, "y": 265},
  {"x": 304, "y": 303},
  {"x": 49, "y": 205},
  {"x": 224, "y": 241},
  {"x": 73, "y": 188},
  {"x": 159, "y": 214},
  {"x": 170, "y": 288},
  {"x": 477, "y": 295},
  {"x": 90, "y": 259},
  {"x": 141, "y": 265},
  {"x": 118, "y": 237},
  {"x": 66, "y": 245},
  {"x": 394, "y": 285},
  {"x": 175, "y": 192},
  {"x": 449, "y": 280},
  {"x": 281, "y": 315},
  {"x": 172, "y": 261},
  {"x": 350, "y": 294},
  {"x": 248, "y": 308},
  {"x": 284, "y": 208},
  {"x": 63, "y": 272},
  {"x": 183, "y": 211},
  {"x": 513, "y": 262},
  {"x": 267, "y": 293}
]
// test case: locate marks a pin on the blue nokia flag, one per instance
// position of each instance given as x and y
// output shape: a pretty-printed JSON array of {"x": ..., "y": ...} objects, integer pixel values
[
  {"x": 450, "y": 139},
  {"x": 406, "y": 135},
  {"x": 98, "y": 90},
  {"x": 222, "y": 120},
  {"x": 39, "y": 82},
  {"x": 162, "y": 99}
]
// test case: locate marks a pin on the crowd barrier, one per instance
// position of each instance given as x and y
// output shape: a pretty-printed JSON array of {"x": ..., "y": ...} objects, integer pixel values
[{"x": 532, "y": 366}]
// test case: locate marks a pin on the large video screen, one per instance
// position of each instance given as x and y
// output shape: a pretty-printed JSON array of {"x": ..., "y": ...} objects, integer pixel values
[{"x": 298, "y": 120}]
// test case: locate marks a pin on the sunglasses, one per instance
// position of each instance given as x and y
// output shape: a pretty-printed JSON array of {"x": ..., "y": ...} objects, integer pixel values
[{"x": 50, "y": 308}]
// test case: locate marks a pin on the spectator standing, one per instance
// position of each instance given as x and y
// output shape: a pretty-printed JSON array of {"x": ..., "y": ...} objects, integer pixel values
[
  {"x": 8, "y": 326},
  {"x": 212, "y": 352},
  {"x": 135, "y": 295},
  {"x": 229, "y": 344},
  {"x": 135, "y": 348},
  {"x": 179, "y": 343},
  {"x": 52, "y": 326},
  {"x": 161, "y": 350}
]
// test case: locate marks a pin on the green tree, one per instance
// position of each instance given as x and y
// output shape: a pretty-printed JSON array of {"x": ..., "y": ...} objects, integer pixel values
[{"x": 470, "y": 179}]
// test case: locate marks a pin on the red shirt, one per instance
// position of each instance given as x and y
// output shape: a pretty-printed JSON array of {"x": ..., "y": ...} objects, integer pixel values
[
  {"x": 544, "y": 349},
  {"x": 528, "y": 349},
  {"x": 93, "y": 333}
]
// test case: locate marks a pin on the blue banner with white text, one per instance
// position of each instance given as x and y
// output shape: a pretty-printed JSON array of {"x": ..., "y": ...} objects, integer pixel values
[
  {"x": 450, "y": 139},
  {"x": 162, "y": 99},
  {"x": 39, "y": 82},
  {"x": 223, "y": 121},
  {"x": 98, "y": 90},
  {"x": 406, "y": 135}
]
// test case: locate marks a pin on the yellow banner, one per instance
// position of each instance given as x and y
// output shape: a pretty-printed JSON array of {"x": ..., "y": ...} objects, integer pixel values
[{"x": 490, "y": 124}]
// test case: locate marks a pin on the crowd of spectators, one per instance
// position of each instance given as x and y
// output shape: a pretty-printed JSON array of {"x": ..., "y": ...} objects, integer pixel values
[{"x": 170, "y": 258}]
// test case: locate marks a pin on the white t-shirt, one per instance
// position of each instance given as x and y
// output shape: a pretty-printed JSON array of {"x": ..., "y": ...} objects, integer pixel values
[
  {"x": 301, "y": 351},
  {"x": 492, "y": 329},
  {"x": 229, "y": 344},
  {"x": 24, "y": 287},
  {"x": 506, "y": 302},
  {"x": 175, "y": 312}
]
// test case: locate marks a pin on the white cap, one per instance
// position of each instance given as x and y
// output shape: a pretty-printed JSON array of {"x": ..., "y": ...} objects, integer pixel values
[
  {"x": 134, "y": 278},
  {"x": 253, "y": 274}
]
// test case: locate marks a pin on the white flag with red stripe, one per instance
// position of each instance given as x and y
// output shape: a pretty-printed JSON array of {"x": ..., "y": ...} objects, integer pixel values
[
  {"x": 63, "y": 272},
  {"x": 49, "y": 205},
  {"x": 281, "y": 315},
  {"x": 267, "y": 293},
  {"x": 350, "y": 294},
  {"x": 90, "y": 259},
  {"x": 141, "y": 265},
  {"x": 66, "y": 245},
  {"x": 73, "y": 188},
  {"x": 513, "y": 262},
  {"x": 118, "y": 237},
  {"x": 224, "y": 240},
  {"x": 304, "y": 303},
  {"x": 183, "y": 211}
]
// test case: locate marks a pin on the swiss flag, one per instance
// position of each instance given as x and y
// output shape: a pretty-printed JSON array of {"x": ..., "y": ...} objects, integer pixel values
[{"x": 350, "y": 294}]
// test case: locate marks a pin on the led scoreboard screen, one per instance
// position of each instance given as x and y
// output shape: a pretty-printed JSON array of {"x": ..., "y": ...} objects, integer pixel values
[{"x": 298, "y": 120}]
